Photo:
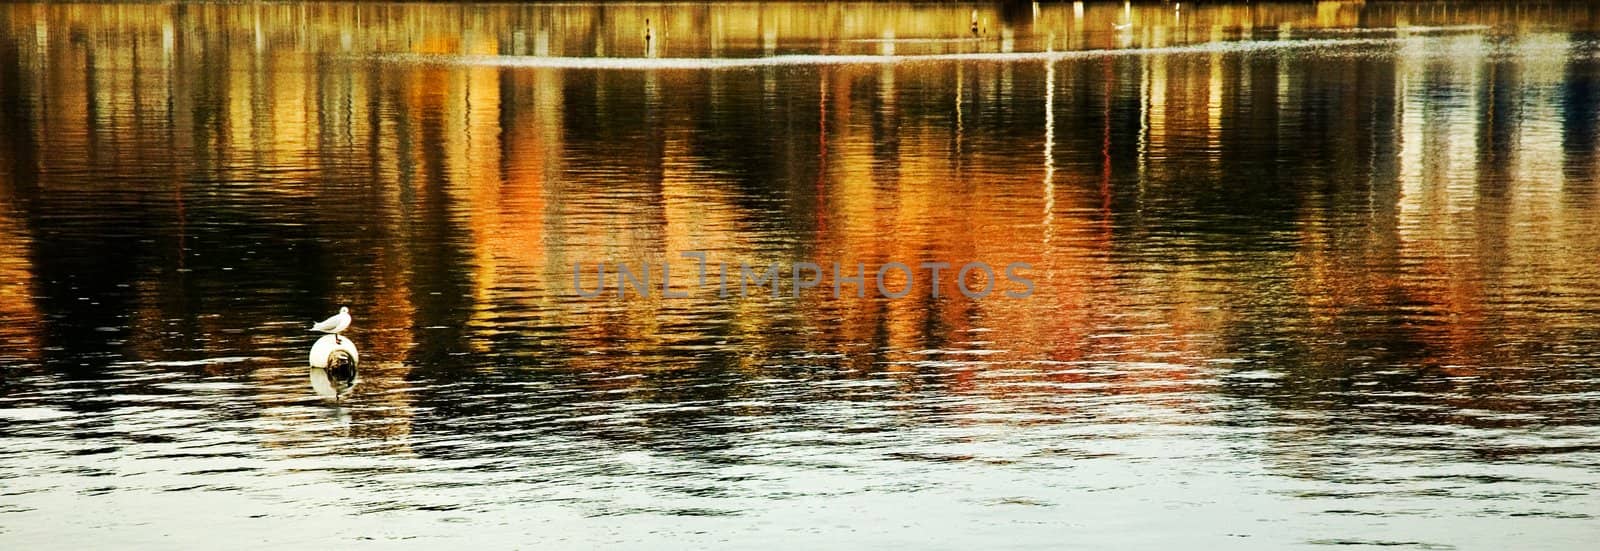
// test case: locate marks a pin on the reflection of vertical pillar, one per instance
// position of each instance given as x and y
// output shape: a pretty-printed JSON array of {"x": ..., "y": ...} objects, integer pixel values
[
  {"x": 886, "y": 121},
  {"x": 769, "y": 87},
  {"x": 652, "y": 92},
  {"x": 255, "y": 29},
  {"x": 479, "y": 132},
  {"x": 19, "y": 319},
  {"x": 1049, "y": 150},
  {"x": 535, "y": 147},
  {"x": 1497, "y": 131},
  {"x": 1382, "y": 190},
  {"x": 1007, "y": 74},
  {"x": 168, "y": 40},
  {"x": 1530, "y": 204},
  {"x": 1147, "y": 102},
  {"x": 1580, "y": 108},
  {"x": 1384, "y": 137},
  {"x": 1214, "y": 104},
  {"x": 1497, "y": 128},
  {"x": 961, "y": 84},
  {"x": 822, "y": 151},
  {"x": 442, "y": 290},
  {"x": 19, "y": 147},
  {"x": 1105, "y": 141},
  {"x": 886, "y": 89},
  {"x": 1438, "y": 175},
  {"x": 41, "y": 36},
  {"x": 1154, "y": 122},
  {"x": 93, "y": 120}
]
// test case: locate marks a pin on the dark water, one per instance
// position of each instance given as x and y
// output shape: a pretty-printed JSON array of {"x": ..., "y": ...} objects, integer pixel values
[{"x": 1306, "y": 274}]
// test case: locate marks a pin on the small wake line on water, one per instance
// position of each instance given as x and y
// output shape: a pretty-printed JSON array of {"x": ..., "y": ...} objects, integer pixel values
[
  {"x": 1411, "y": 29},
  {"x": 642, "y": 63},
  {"x": 206, "y": 361},
  {"x": 917, "y": 40}
]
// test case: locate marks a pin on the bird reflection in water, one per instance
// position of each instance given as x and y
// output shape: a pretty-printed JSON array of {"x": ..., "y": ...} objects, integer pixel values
[{"x": 336, "y": 380}]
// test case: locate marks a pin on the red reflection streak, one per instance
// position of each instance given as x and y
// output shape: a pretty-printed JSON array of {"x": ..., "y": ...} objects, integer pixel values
[
  {"x": 822, "y": 151},
  {"x": 1105, "y": 150}
]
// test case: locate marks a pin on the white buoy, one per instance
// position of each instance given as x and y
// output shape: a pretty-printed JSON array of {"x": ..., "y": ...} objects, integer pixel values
[
  {"x": 333, "y": 366},
  {"x": 325, "y": 346}
]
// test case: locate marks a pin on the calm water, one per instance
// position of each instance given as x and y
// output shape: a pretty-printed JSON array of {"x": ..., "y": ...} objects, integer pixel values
[{"x": 1307, "y": 275}]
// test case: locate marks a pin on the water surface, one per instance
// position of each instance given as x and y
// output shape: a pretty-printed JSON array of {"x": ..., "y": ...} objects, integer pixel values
[{"x": 1307, "y": 275}]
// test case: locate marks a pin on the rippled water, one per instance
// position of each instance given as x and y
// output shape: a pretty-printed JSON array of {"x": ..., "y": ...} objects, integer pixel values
[{"x": 1308, "y": 274}]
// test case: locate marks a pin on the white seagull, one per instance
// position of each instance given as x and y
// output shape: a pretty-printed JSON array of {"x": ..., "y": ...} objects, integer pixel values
[{"x": 335, "y": 324}]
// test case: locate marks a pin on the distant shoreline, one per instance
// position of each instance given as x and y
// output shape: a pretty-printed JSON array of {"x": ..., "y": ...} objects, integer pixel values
[{"x": 1209, "y": 3}]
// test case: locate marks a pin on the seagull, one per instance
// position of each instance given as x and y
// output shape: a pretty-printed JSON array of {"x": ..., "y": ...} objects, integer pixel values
[{"x": 335, "y": 324}]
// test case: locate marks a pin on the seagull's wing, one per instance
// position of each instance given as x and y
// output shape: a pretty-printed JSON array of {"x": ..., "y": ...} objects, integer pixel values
[{"x": 327, "y": 324}]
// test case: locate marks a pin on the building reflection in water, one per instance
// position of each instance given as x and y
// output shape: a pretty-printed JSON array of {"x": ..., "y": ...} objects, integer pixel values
[{"x": 192, "y": 181}]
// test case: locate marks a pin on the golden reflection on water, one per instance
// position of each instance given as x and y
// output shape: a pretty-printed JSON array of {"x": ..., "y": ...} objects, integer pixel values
[{"x": 1172, "y": 206}]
